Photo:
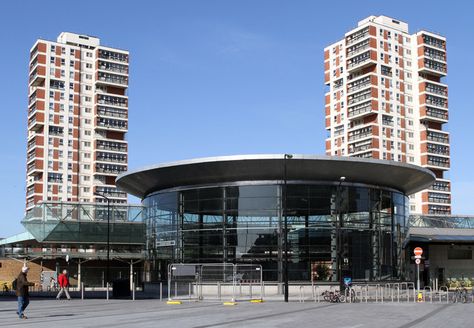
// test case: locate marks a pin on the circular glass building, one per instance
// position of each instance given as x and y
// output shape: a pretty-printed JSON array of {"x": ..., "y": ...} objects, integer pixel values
[{"x": 321, "y": 217}]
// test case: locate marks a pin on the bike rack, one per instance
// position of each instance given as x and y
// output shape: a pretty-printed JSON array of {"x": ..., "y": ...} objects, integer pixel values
[
  {"x": 347, "y": 294},
  {"x": 428, "y": 288},
  {"x": 446, "y": 291},
  {"x": 397, "y": 285},
  {"x": 367, "y": 293},
  {"x": 301, "y": 294},
  {"x": 390, "y": 290},
  {"x": 316, "y": 292},
  {"x": 378, "y": 293},
  {"x": 412, "y": 284}
]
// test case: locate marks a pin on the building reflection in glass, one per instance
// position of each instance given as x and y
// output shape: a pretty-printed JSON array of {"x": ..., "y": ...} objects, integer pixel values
[{"x": 243, "y": 224}]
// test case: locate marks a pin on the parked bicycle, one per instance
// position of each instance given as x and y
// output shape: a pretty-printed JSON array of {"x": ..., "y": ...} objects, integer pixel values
[
  {"x": 350, "y": 294},
  {"x": 334, "y": 296},
  {"x": 460, "y": 295}
]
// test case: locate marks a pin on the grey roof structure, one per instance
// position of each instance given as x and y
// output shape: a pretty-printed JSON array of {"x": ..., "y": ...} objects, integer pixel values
[
  {"x": 403, "y": 177},
  {"x": 442, "y": 235}
]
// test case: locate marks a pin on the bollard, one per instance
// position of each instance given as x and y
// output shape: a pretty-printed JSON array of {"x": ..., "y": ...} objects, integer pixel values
[
  {"x": 169, "y": 289},
  {"x": 107, "y": 293},
  {"x": 189, "y": 290},
  {"x": 82, "y": 290},
  {"x": 312, "y": 289},
  {"x": 175, "y": 289},
  {"x": 161, "y": 291},
  {"x": 233, "y": 289},
  {"x": 219, "y": 290},
  {"x": 250, "y": 289},
  {"x": 133, "y": 291}
]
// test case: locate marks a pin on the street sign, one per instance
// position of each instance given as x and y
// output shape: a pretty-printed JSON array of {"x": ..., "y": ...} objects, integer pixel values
[
  {"x": 418, "y": 251},
  {"x": 165, "y": 243}
]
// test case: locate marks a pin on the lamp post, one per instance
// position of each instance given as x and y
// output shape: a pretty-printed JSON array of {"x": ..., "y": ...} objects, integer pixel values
[
  {"x": 339, "y": 220},
  {"x": 108, "y": 236},
  {"x": 285, "y": 197}
]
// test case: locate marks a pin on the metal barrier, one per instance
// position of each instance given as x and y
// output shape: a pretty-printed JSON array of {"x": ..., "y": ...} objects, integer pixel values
[
  {"x": 249, "y": 277},
  {"x": 215, "y": 281},
  {"x": 180, "y": 276}
]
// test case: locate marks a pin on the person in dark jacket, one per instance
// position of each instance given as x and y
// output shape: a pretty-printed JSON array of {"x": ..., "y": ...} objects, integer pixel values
[{"x": 22, "y": 293}]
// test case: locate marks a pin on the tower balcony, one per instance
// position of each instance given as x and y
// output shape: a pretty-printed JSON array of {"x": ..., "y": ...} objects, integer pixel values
[
  {"x": 113, "y": 67},
  {"x": 433, "y": 67},
  {"x": 112, "y": 79},
  {"x": 112, "y": 124},
  {"x": 435, "y": 162},
  {"x": 440, "y": 185},
  {"x": 361, "y": 61},
  {"x": 438, "y": 115},
  {"x": 113, "y": 146},
  {"x": 109, "y": 169},
  {"x": 363, "y": 109},
  {"x": 437, "y": 136}
]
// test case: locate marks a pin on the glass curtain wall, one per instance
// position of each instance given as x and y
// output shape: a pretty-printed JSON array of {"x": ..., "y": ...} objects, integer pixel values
[{"x": 359, "y": 227}]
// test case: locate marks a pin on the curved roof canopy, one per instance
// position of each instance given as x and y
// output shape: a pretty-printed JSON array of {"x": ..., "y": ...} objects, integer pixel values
[{"x": 404, "y": 177}]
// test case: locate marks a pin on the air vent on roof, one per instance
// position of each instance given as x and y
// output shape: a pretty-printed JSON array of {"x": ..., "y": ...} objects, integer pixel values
[
  {"x": 83, "y": 37},
  {"x": 395, "y": 21}
]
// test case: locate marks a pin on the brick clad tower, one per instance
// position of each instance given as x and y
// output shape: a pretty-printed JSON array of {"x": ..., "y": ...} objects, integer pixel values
[
  {"x": 77, "y": 120},
  {"x": 386, "y": 100}
]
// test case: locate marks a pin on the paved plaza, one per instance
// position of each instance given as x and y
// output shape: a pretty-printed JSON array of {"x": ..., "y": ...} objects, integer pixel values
[{"x": 153, "y": 313}]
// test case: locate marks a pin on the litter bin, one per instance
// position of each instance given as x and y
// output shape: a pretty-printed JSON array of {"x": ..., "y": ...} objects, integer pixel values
[{"x": 121, "y": 288}]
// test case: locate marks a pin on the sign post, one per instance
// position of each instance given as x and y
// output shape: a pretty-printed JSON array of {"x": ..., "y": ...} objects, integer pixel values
[{"x": 418, "y": 251}]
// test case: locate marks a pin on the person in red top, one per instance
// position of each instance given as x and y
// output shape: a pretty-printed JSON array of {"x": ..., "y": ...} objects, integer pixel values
[{"x": 63, "y": 285}]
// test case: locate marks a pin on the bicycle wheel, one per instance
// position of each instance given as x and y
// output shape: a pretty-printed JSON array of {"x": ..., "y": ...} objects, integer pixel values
[
  {"x": 342, "y": 298},
  {"x": 326, "y": 297}
]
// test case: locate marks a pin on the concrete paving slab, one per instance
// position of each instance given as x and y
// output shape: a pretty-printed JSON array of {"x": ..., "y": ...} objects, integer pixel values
[{"x": 153, "y": 313}]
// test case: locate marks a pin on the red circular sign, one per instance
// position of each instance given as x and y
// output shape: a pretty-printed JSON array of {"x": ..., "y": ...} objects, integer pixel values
[{"x": 418, "y": 251}]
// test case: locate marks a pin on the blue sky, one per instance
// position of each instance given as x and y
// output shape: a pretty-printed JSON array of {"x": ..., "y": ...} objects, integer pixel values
[{"x": 222, "y": 77}]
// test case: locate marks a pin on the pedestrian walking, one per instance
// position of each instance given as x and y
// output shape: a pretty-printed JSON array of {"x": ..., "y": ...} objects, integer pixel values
[
  {"x": 52, "y": 283},
  {"x": 22, "y": 293},
  {"x": 63, "y": 285}
]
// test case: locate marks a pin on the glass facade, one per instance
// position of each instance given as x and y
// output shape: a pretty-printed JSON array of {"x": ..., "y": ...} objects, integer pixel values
[{"x": 353, "y": 230}]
